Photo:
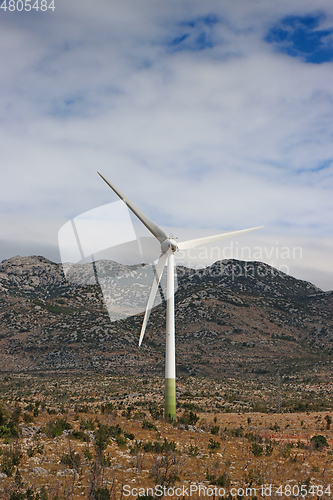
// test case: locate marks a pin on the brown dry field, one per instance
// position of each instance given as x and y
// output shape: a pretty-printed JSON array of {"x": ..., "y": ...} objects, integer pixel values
[{"x": 253, "y": 448}]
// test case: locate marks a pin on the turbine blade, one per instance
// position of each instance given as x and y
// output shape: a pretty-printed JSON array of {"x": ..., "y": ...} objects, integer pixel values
[
  {"x": 157, "y": 278},
  {"x": 153, "y": 228},
  {"x": 184, "y": 245}
]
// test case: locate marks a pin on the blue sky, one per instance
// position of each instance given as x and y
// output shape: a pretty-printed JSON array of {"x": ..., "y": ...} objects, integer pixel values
[{"x": 210, "y": 115}]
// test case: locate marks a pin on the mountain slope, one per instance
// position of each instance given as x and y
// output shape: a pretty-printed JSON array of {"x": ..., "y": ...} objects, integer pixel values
[{"x": 234, "y": 318}]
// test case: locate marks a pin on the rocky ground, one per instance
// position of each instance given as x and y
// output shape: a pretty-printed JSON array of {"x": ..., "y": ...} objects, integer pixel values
[{"x": 100, "y": 437}]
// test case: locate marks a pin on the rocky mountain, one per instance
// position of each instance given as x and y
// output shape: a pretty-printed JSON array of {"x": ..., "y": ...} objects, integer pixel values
[{"x": 233, "y": 318}]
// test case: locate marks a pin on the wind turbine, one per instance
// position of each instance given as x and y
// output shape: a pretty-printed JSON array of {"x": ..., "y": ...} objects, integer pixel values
[{"x": 168, "y": 249}]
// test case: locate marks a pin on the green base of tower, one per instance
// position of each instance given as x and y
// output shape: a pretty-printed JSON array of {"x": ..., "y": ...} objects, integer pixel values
[{"x": 170, "y": 399}]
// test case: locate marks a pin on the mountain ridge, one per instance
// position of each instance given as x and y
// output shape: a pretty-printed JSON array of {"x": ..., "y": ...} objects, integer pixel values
[{"x": 232, "y": 318}]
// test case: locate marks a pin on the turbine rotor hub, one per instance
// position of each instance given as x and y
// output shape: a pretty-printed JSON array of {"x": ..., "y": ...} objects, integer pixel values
[{"x": 169, "y": 246}]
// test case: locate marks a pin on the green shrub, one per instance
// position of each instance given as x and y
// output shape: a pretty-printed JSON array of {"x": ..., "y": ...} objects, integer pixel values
[
  {"x": 328, "y": 422},
  {"x": 81, "y": 409},
  {"x": 11, "y": 459},
  {"x": 257, "y": 449},
  {"x": 121, "y": 441},
  {"x": 189, "y": 418},
  {"x": 191, "y": 406},
  {"x": 13, "y": 426},
  {"x": 28, "y": 418},
  {"x": 221, "y": 481},
  {"x": 107, "y": 408},
  {"x": 57, "y": 427},
  {"x": 103, "y": 434},
  {"x": 155, "y": 411},
  {"x": 134, "y": 450},
  {"x": 51, "y": 411},
  {"x": 158, "y": 447},
  {"x": 31, "y": 451},
  {"x": 286, "y": 450},
  {"x": 102, "y": 438},
  {"x": 214, "y": 445},
  {"x": 129, "y": 435},
  {"x": 3, "y": 415},
  {"x": 319, "y": 442},
  {"x": 193, "y": 451},
  {"x": 87, "y": 425},
  {"x": 101, "y": 494},
  {"x": 4, "y": 431},
  {"x": 88, "y": 454},
  {"x": 148, "y": 426},
  {"x": 237, "y": 432},
  {"x": 71, "y": 459},
  {"x": 82, "y": 436},
  {"x": 269, "y": 449},
  {"x": 17, "y": 495},
  {"x": 115, "y": 430},
  {"x": 253, "y": 437}
]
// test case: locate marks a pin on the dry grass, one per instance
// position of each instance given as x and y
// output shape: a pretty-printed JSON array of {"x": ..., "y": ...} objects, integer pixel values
[{"x": 253, "y": 448}]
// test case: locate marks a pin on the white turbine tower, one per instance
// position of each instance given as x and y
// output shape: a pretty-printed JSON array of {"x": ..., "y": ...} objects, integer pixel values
[{"x": 168, "y": 248}]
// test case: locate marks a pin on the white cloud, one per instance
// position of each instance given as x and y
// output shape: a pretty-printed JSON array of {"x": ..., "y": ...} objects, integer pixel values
[{"x": 227, "y": 137}]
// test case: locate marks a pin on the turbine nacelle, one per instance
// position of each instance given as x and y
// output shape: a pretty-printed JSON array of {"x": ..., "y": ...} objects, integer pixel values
[{"x": 169, "y": 246}]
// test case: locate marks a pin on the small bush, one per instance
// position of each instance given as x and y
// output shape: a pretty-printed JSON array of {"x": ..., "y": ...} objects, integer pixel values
[
  {"x": 319, "y": 442},
  {"x": 269, "y": 449},
  {"x": 129, "y": 435},
  {"x": 101, "y": 494},
  {"x": 107, "y": 408},
  {"x": 102, "y": 438},
  {"x": 80, "y": 435},
  {"x": 81, "y": 409},
  {"x": 134, "y": 450},
  {"x": 237, "y": 432},
  {"x": 148, "y": 426},
  {"x": 193, "y": 451},
  {"x": 31, "y": 451},
  {"x": 257, "y": 449},
  {"x": 3, "y": 415},
  {"x": 51, "y": 411},
  {"x": 121, "y": 441},
  {"x": 286, "y": 450},
  {"x": 221, "y": 480},
  {"x": 155, "y": 411},
  {"x": 4, "y": 431},
  {"x": 328, "y": 422},
  {"x": 57, "y": 427},
  {"x": 88, "y": 454},
  {"x": 158, "y": 447},
  {"x": 253, "y": 437},
  {"x": 71, "y": 459},
  {"x": 88, "y": 425},
  {"x": 28, "y": 418},
  {"x": 189, "y": 418},
  {"x": 214, "y": 445},
  {"x": 115, "y": 430},
  {"x": 11, "y": 459}
]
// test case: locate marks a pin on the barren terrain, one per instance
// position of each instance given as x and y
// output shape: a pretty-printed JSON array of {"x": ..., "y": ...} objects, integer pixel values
[{"x": 98, "y": 436}]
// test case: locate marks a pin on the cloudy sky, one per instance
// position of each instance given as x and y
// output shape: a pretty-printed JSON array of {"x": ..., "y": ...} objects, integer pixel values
[{"x": 209, "y": 115}]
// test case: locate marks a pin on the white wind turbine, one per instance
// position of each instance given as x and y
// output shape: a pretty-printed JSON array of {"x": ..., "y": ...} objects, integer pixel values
[{"x": 168, "y": 248}]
